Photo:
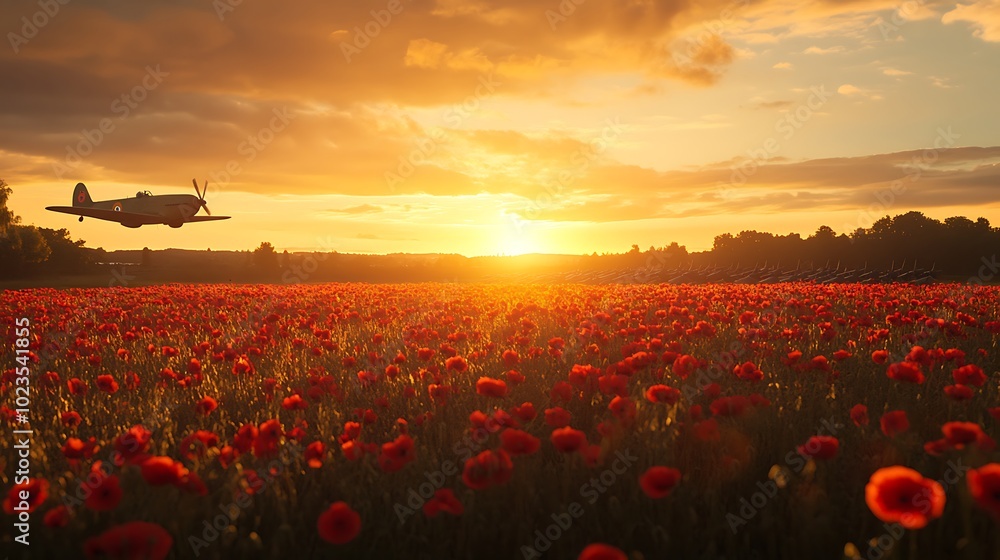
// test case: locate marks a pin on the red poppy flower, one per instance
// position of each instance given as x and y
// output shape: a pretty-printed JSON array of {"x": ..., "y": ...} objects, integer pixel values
[
  {"x": 193, "y": 483},
  {"x": 514, "y": 377},
  {"x": 444, "y": 500},
  {"x": 859, "y": 415},
  {"x": 958, "y": 392},
  {"x": 198, "y": 443},
  {"x": 969, "y": 374},
  {"x": 568, "y": 440},
  {"x": 107, "y": 384},
  {"x": 598, "y": 551},
  {"x": 77, "y": 386},
  {"x": 268, "y": 436},
  {"x": 518, "y": 442},
  {"x": 397, "y": 453},
  {"x": 510, "y": 358},
  {"x": 894, "y": 422},
  {"x": 106, "y": 495},
  {"x": 623, "y": 408},
  {"x": 489, "y": 387},
  {"x": 792, "y": 358},
  {"x": 57, "y": 517},
  {"x": 684, "y": 366},
  {"x": 960, "y": 434},
  {"x": 747, "y": 371},
  {"x": 908, "y": 372},
  {"x": 70, "y": 419},
  {"x": 206, "y": 405},
  {"x": 38, "y": 492},
  {"x": 76, "y": 449},
  {"x": 487, "y": 469},
  {"x": 898, "y": 494},
  {"x": 820, "y": 363},
  {"x": 132, "y": 445},
  {"x": 314, "y": 454},
  {"x": 658, "y": 482},
  {"x": 919, "y": 355},
  {"x": 526, "y": 412},
  {"x": 158, "y": 471},
  {"x": 294, "y": 402},
  {"x": 439, "y": 393},
  {"x": 562, "y": 392},
  {"x": 244, "y": 438},
  {"x": 984, "y": 486},
  {"x": 557, "y": 417},
  {"x": 820, "y": 447},
  {"x": 456, "y": 364},
  {"x": 880, "y": 356},
  {"x": 130, "y": 541},
  {"x": 339, "y": 524},
  {"x": 937, "y": 447},
  {"x": 243, "y": 366},
  {"x": 663, "y": 394}
]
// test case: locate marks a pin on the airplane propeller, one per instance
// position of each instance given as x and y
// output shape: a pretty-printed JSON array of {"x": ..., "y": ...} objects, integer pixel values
[{"x": 201, "y": 195}]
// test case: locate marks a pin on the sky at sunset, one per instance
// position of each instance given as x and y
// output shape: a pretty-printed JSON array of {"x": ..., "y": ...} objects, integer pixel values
[{"x": 485, "y": 127}]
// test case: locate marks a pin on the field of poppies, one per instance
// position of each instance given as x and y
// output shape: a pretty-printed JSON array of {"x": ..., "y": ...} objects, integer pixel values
[{"x": 491, "y": 421}]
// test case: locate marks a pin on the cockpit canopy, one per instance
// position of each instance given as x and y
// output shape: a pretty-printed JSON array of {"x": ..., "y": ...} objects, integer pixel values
[{"x": 141, "y": 194}]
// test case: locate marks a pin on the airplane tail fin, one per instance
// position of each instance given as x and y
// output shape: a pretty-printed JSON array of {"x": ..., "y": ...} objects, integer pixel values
[{"x": 80, "y": 196}]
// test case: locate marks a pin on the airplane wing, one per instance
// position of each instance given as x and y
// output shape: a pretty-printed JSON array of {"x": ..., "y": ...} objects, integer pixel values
[
  {"x": 206, "y": 218},
  {"x": 98, "y": 213}
]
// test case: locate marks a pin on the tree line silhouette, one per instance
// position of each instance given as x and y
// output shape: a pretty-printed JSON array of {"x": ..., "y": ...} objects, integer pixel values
[
  {"x": 26, "y": 250},
  {"x": 957, "y": 248}
]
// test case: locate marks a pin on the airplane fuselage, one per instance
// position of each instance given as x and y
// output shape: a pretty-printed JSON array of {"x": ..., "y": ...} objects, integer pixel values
[
  {"x": 170, "y": 209},
  {"x": 144, "y": 208}
]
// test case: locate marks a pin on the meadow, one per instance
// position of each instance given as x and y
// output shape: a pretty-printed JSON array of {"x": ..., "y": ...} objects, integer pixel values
[{"x": 503, "y": 421}]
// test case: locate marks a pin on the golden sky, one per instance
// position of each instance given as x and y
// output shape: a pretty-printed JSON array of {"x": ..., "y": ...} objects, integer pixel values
[{"x": 487, "y": 127}]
